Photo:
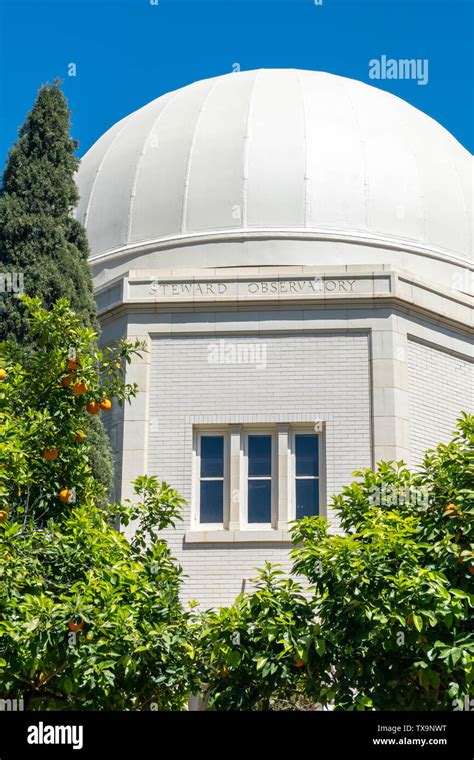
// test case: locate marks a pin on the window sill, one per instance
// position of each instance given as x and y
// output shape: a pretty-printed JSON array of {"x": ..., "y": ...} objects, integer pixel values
[{"x": 237, "y": 536}]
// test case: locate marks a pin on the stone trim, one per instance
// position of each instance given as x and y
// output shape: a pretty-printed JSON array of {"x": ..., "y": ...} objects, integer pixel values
[
  {"x": 439, "y": 347},
  {"x": 223, "y": 536},
  {"x": 218, "y": 290},
  {"x": 260, "y": 419}
]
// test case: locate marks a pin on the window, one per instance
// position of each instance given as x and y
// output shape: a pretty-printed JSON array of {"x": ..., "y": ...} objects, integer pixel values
[
  {"x": 211, "y": 485},
  {"x": 306, "y": 475},
  {"x": 259, "y": 479},
  {"x": 254, "y": 478}
]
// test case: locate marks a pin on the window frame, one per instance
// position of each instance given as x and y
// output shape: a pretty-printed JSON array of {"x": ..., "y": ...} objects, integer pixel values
[
  {"x": 292, "y": 433},
  {"x": 283, "y": 491},
  {"x": 199, "y": 433},
  {"x": 248, "y": 430}
]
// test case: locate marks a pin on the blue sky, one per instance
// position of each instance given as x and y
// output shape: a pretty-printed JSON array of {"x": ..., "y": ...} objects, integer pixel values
[{"x": 128, "y": 52}]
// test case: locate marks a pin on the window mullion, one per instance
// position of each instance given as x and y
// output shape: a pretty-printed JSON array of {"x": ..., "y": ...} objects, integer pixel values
[
  {"x": 281, "y": 476},
  {"x": 235, "y": 463}
]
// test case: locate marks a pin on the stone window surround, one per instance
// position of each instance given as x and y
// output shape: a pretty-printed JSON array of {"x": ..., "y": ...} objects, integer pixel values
[{"x": 235, "y": 529}]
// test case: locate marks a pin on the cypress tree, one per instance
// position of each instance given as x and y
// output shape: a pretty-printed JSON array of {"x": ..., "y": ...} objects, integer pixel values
[{"x": 43, "y": 248}]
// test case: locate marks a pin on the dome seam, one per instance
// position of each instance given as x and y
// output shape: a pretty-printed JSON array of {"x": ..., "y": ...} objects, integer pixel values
[
  {"x": 187, "y": 174},
  {"x": 364, "y": 155},
  {"x": 464, "y": 203},
  {"x": 140, "y": 160},
  {"x": 99, "y": 168},
  {"x": 405, "y": 135},
  {"x": 246, "y": 151},
  {"x": 305, "y": 134}
]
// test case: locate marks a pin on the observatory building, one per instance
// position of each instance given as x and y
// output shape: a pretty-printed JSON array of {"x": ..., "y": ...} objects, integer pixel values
[{"x": 296, "y": 250}]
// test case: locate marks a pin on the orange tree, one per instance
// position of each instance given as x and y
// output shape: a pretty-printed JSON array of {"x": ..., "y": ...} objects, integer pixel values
[
  {"x": 394, "y": 595},
  {"x": 251, "y": 652},
  {"x": 88, "y": 618},
  {"x": 386, "y": 622}
]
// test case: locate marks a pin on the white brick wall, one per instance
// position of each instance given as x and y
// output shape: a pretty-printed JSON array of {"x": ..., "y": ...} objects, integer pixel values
[
  {"x": 322, "y": 376},
  {"x": 441, "y": 386}
]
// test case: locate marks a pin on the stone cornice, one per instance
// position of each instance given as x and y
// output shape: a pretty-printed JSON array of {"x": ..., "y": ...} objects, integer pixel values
[{"x": 221, "y": 288}]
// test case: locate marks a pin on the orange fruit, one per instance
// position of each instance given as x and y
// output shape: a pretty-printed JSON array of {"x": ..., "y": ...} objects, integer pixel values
[
  {"x": 73, "y": 364},
  {"x": 65, "y": 495},
  {"x": 93, "y": 407},
  {"x": 3, "y": 516},
  {"x": 3, "y": 374},
  {"x": 50, "y": 454},
  {"x": 450, "y": 510},
  {"x": 80, "y": 436},
  {"x": 105, "y": 404},
  {"x": 66, "y": 381},
  {"x": 299, "y": 663},
  {"x": 75, "y": 626},
  {"x": 471, "y": 569},
  {"x": 79, "y": 389}
]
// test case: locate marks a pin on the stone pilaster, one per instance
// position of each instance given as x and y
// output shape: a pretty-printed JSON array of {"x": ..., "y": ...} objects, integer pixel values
[{"x": 390, "y": 393}]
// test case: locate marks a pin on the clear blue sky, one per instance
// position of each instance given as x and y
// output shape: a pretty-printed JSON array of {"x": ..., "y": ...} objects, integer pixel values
[{"x": 128, "y": 52}]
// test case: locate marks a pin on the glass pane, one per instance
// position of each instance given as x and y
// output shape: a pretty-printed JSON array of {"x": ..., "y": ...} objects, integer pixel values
[
  {"x": 260, "y": 501},
  {"x": 307, "y": 498},
  {"x": 306, "y": 452},
  {"x": 260, "y": 456},
  {"x": 212, "y": 501},
  {"x": 212, "y": 456}
]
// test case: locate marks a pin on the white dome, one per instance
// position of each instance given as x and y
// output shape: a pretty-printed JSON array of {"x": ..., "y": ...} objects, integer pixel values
[{"x": 280, "y": 154}]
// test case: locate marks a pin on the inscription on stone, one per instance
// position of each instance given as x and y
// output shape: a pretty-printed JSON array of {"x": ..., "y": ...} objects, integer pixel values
[{"x": 265, "y": 288}]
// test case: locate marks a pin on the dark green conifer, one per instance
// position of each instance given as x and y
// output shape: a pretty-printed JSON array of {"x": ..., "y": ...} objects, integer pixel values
[{"x": 43, "y": 248}]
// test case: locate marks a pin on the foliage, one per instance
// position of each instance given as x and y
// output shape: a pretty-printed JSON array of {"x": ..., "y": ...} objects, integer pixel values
[
  {"x": 88, "y": 618},
  {"x": 252, "y": 651},
  {"x": 39, "y": 237},
  {"x": 379, "y": 618},
  {"x": 385, "y": 619},
  {"x": 41, "y": 241},
  {"x": 394, "y": 595},
  {"x": 39, "y": 412}
]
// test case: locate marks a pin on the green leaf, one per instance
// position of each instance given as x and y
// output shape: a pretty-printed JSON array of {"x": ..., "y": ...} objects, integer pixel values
[
  {"x": 261, "y": 662},
  {"x": 418, "y": 622},
  {"x": 68, "y": 685},
  {"x": 234, "y": 659},
  {"x": 459, "y": 592},
  {"x": 320, "y": 645}
]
